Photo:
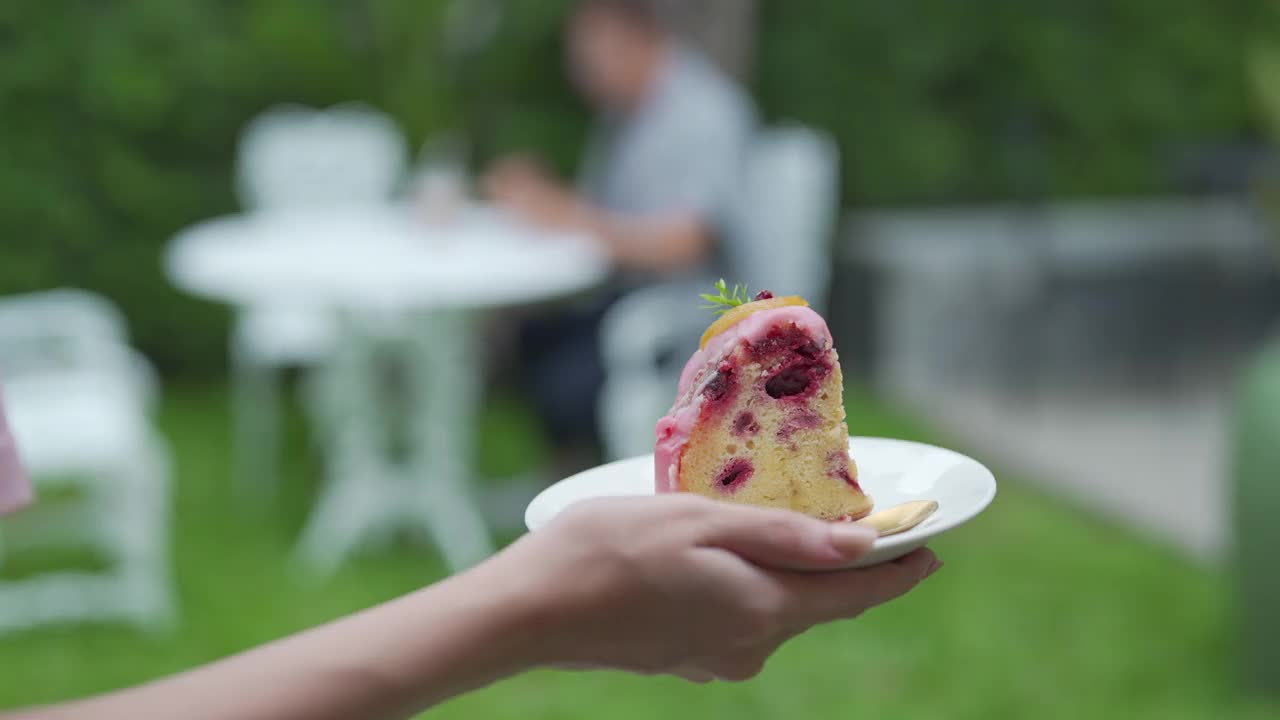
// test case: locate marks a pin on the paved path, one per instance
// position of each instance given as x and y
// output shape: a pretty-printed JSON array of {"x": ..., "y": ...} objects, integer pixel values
[{"x": 1158, "y": 465}]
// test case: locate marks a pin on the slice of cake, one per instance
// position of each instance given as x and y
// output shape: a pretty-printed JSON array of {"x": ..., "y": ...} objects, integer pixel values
[{"x": 759, "y": 414}]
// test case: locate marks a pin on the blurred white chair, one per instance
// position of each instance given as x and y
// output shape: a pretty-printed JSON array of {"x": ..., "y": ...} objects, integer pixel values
[
  {"x": 298, "y": 159},
  {"x": 786, "y": 214},
  {"x": 780, "y": 241},
  {"x": 293, "y": 156},
  {"x": 78, "y": 401},
  {"x": 70, "y": 327}
]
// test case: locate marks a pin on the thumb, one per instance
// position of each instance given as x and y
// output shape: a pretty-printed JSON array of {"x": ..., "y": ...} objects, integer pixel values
[{"x": 785, "y": 540}]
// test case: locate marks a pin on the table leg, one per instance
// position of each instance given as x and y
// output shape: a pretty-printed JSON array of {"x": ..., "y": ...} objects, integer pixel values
[
  {"x": 445, "y": 377},
  {"x": 256, "y": 425},
  {"x": 349, "y": 506},
  {"x": 366, "y": 490},
  {"x": 358, "y": 486}
]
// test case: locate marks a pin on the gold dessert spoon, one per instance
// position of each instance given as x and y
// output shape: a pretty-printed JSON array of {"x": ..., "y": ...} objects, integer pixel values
[{"x": 900, "y": 518}]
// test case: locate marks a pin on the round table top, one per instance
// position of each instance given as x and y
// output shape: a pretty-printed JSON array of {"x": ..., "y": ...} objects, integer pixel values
[{"x": 379, "y": 258}]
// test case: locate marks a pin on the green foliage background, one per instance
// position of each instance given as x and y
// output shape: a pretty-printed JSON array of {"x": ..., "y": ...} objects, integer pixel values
[{"x": 118, "y": 119}]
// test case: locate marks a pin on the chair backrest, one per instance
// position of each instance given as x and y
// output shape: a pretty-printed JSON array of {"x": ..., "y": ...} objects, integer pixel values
[
  {"x": 295, "y": 156},
  {"x": 54, "y": 327},
  {"x": 786, "y": 214},
  {"x": 64, "y": 311}
]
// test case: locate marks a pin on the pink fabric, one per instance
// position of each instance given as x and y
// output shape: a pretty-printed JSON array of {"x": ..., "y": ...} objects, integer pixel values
[{"x": 15, "y": 489}]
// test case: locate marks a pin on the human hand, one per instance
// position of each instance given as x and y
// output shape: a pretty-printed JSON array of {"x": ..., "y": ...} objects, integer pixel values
[
  {"x": 524, "y": 186},
  {"x": 684, "y": 585},
  {"x": 511, "y": 172}
]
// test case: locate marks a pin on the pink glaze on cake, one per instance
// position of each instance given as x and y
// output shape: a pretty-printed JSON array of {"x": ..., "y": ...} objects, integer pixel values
[{"x": 673, "y": 429}]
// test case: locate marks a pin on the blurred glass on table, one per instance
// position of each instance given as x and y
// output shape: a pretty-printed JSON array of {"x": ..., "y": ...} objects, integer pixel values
[{"x": 441, "y": 184}]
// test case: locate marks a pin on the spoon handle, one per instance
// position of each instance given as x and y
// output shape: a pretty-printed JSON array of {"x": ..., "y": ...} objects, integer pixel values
[{"x": 900, "y": 518}]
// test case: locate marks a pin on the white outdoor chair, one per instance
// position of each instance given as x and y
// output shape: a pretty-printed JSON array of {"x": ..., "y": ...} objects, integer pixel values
[
  {"x": 780, "y": 241},
  {"x": 78, "y": 402},
  {"x": 786, "y": 213},
  {"x": 294, "y": 158},
  {"x": 70, "y": 327}
]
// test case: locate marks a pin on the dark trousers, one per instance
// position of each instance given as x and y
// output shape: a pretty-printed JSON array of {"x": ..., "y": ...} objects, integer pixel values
[{"x": 563, "y": 371}]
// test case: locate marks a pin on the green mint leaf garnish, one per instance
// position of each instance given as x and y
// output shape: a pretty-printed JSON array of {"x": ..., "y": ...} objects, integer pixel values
[{"x": 725, "y": 300}]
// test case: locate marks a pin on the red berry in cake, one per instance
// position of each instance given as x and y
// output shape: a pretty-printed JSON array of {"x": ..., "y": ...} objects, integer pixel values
[
  {"x": 802, "y": 419},
  {"x": 718, "y": 386},
  {"x": 764, "y": 295},
  {"x": 792, "y": 381},
  {"x": 838, "y": 464},
  {"x": 735, "y": 474},
  {"x": 745, "y": 424}
]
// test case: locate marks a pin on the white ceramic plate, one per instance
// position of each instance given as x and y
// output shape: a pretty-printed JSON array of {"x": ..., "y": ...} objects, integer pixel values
[{"x": 891, "y": 471}]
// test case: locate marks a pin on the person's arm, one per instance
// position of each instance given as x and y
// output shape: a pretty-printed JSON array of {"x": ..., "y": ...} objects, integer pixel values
[
  {"x": 659, "y": 242},
  {"x": 389, "y": 661},
  {"x": 675, "y": 584},
  {"x": 692, "y": 180}
]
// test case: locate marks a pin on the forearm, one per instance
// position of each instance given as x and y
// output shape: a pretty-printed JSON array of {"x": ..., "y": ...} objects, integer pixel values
[
  {"x": 659, "y": 244},
  {"x": 387, "y": 662},
  {"x": 662, "y": 243}
]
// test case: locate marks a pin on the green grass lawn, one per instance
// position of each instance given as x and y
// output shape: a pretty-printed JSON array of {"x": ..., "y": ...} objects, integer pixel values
[{"x": 1041, "y": 612}]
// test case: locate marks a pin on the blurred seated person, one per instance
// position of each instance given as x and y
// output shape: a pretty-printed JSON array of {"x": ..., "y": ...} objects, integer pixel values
[{"x": 660, "y": 171}]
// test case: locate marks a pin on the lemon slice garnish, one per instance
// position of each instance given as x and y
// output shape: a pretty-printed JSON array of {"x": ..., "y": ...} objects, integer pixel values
[{"x": 741, "y": 312}]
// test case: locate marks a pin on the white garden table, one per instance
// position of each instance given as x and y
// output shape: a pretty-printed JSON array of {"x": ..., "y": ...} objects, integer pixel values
[{"x": 401, "y": 286}]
